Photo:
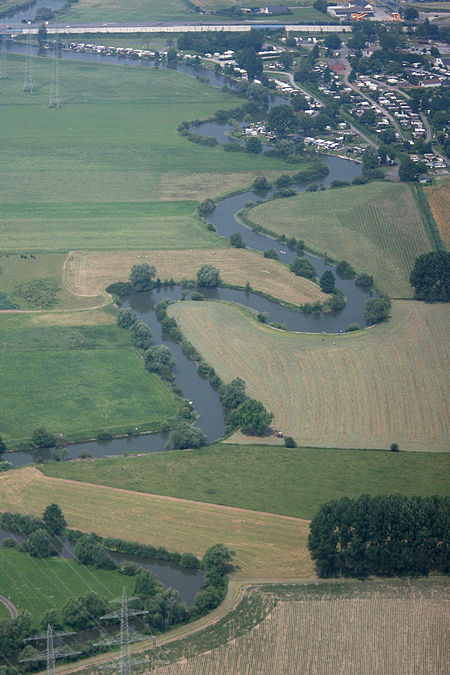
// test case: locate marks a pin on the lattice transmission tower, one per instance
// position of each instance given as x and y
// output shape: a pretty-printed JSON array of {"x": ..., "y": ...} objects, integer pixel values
[
  {"x": 55, "y": 101},
  {"x": 28, "y": 81},
  {"x": 124, "y": 663},
  {"x": 4, "y": 67},
  {"x": 50, "y": 653}
]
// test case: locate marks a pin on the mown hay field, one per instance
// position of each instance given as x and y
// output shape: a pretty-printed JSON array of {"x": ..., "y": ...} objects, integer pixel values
[
  {"x": 88, "y": 273},
  {"x": 93, "y": 173},
  {"x": 366, "y": 390},
  {"x": 291, "y": 482},
  {"x": 266, "y": 545},
  {"x": 438, "y": 196},
  {"x": 322, "y": 634},
  {"x": 376, "y": 227}
]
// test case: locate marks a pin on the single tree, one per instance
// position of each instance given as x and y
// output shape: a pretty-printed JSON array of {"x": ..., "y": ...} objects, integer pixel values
[
  {"x": 141, "y": 277},
  {"x": 327, "y": 282},
  {"x": 281, "y": 119},
  {"x": 39, "y": 544},
  {"x": 2, "y": 445},
  {"x": 252, "y": 417},
  {"x": 42, "y": 438},
  {"x": 208, "y": 276},
  {"x": 54, "y": 519},
  {"x": 377, "y": 309},
  {"x": 302, "y": 268},
  {"x": 237, "y": 241},
  {"x": 253, "y": 145}
]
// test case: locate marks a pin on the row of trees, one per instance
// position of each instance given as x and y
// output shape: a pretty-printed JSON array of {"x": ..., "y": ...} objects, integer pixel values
[{"x": 384, "y": 535}]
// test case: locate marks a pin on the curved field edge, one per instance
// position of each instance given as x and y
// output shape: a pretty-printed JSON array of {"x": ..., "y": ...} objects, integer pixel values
[
  {"x": 292, "y": 482},
  {"x": 378, "y": 228},
  {"x": 89, "y": 273},
  {"x": 365, "y": 390},
  {"x": 278, "y": 627},
  {"x": 266, "y": 545}
]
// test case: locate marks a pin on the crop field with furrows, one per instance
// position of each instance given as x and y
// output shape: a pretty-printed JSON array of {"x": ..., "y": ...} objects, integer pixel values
[
  {"x": 88, "y": 273},
  {"x": 376, "y": 227},
  {"x": 266, "y": 545},
  {"x": 439, "y": 200},
  {"x": 374, "y": 636},
  {"x": 366, "y": 390},
  {"x": 322, "y": 628}
]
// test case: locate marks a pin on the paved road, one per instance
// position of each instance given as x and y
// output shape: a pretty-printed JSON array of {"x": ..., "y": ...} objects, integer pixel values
[
  {"x": 12, "y": 609},
  {"x": 173, "y": 28}
]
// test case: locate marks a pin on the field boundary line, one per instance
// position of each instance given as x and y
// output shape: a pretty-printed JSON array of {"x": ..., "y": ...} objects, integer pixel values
[
  {"x": 234, "y": 509},
  {"x": 429, "y": 222}
]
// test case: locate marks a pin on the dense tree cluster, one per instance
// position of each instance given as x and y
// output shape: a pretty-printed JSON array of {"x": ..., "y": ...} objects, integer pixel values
[
  {"x": 384, "y": 535},
  {"x": 377, "y": 309},
  {"x": 89, "y": 550},
  {"x": 431, "y": 276}
]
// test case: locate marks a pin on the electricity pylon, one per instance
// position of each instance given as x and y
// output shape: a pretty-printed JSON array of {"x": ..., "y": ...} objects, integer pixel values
[
  {"x": 4, "y": 69},
  {"x": 124, "y": 663},
  {"x": 28, "y": 81},
  {"x": 49, "y": 654},
  {"x": 54, "y": 101}
]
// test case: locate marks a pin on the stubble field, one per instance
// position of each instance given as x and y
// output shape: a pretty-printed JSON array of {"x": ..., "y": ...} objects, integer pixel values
[
  {"x": 377, "y": 227},
  {"x": 366, "y": 390},
  {"x": 89, "y": 273},
  {"x": 266, "y": 545}
]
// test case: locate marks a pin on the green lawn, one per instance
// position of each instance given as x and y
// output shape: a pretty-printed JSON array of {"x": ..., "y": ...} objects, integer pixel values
[
  {"x": 75, "y": 380},
  {"x": 266, "y": 478},
  {"x": 91, "y": 173},
  {"x": 377, "y": 227},
  {"x": 37, "y": 585}
]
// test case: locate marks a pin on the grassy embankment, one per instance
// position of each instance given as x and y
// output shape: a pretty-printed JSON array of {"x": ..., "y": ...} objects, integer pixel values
[
  {"x": 365, "y": 390},
  {"x": 40, "y": 584},
  {"x": 272, "y": 479},
  {"x": 377, "y": 227},
  {"x": 266, "y": 545},
  {"x": 75, "y": 379}
]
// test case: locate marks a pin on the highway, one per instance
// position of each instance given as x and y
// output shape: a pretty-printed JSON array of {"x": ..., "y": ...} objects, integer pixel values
[{"x": 78, "y": 29}]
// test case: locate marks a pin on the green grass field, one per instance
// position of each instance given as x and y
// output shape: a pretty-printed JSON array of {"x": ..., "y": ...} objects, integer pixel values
[
  {"x": 75, "y": 380},
  {"x": 377, "y": 227},
  {"x": 91, "y": 174},
  {"x": 261, "y": 478},
  {"x": 365, "y": 390},
  {"x": 40, "y": 584}
]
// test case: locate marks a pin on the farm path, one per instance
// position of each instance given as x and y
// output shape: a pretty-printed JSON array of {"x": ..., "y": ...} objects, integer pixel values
[{"x": 12, "y": 609}]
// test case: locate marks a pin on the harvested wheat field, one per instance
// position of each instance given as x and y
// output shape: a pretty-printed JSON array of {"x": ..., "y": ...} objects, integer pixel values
[
  {"x": 323, "y": 635},
  {"x": 385, "y": 384},
  {"x": 266, "y": 545},
  {"x": 439, "y": 200},
  {"x": 88, "y": 274}
]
